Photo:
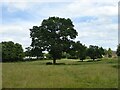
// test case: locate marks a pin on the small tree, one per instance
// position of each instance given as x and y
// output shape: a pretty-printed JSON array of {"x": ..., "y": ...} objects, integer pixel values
[
  {"x": 83, "y": 52},
  {"x": 77, "y": 50},
  {"x": 118, "y": 50},
  {"x": 100, "y": 52},
  {"x": 91, "y": 52},
  {"x": 80, "y": 50},
  {"x": 109, "y": 53},
  {"x": 95, "y": 52},
  {"x": 12, "y": 51}
]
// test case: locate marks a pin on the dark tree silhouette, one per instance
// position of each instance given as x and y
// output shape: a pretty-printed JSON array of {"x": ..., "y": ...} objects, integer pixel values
[
  {"x": 54, "y": 35},
  {"x": 78, "y": 50},
  {"x": 11, "y": 51},
  {"x": 95, "y": 52},
  {"x": 118, "y": 50},
  {"x": 109, "y": 53}
]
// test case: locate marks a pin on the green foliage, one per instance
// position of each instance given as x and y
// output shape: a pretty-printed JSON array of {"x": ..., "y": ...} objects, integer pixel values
[
  {"x": 11, "y": 51},
  {"x": 102, "y": 51},
  {"x": 34, "y": 52},
  {"x": 95, "y": 52},
  {"x": 37, "y": 52},
  {"x": 72, "y": 54},
  {"x": 109, "y": 53},
  {"x": 54, "y": 35},
  {"x": 48, "y": 56},
  {"x": 64, "y": 55},
  {"x": 28, "y": 52},
  {"x": 77, "y": 50},
  {"x": 106, "y": 52},
  {"x": 81, "y": 51},
  {"x": 118, "y": 50}
]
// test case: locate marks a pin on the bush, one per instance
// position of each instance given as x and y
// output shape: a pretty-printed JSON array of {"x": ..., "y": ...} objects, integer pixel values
[{"x": 11, "y": 51}]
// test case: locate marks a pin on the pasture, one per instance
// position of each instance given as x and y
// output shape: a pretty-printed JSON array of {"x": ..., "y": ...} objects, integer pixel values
[{"x": 71, "y": 74}]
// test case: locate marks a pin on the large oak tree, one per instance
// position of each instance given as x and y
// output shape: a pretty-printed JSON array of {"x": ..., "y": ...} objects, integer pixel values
[{"x": 54, "y": 35}]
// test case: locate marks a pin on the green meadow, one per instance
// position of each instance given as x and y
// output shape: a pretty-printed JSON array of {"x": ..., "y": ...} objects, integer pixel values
[{"x": 68, "y": 74}]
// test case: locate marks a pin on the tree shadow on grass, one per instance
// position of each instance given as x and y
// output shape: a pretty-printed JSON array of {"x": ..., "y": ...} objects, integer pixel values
[
  {"x": 116, "y": 66},
  {"x": 50, "y": 63},
  {"x": 78, "y": 62},
  {"x": 65, "y": 64}
]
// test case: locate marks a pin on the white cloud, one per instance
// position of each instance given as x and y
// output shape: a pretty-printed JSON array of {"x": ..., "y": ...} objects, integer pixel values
[
  {"x": 79, "y": 8},
  {"x": 6, "y": 39},
  {"x": 101, "y": 28},
  {"x": 15, "y": 6},
  {"x": 16, "y": 32},
  {"x": 101, "y": 31},
  {"x": 36, "y": 0}
]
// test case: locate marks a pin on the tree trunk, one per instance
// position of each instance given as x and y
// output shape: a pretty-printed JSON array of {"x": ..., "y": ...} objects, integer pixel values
[
  {"x": 54, "y": 61},
  {"x": 82, "y": 60},
  {"x": 93, "y": 59}
]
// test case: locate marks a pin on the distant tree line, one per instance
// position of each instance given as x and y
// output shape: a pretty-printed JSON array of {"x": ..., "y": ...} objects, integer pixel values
[
  {"x": 77, "y": 51},
  {"x": 14, "y": 52},
  {"x": 56, "y": 36}
]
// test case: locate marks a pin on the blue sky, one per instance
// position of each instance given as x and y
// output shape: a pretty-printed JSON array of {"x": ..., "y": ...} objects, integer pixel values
[{"x": 95, "y": 20}]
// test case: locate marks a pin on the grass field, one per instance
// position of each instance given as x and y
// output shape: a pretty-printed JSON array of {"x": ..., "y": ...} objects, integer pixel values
[{"x": 74, "y": 74}]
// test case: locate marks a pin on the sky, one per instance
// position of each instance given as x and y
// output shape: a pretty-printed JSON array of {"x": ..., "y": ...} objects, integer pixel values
[{"x": 96, "y": 21}]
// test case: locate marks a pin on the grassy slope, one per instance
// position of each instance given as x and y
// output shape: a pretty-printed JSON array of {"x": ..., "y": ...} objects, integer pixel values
[{"x": 101, "y": 74}]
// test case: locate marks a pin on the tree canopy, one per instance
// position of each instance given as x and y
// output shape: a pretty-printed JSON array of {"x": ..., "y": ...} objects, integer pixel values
[
  {"x": 78, "y": 50},
  {"x": 11, "y": 51},
  {"x": 109, "y": 53},
  {"x": 54, "y": 35},
  {"x": 95, "y": 52},
  {"x": 118, "y": 50}
]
